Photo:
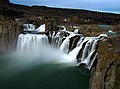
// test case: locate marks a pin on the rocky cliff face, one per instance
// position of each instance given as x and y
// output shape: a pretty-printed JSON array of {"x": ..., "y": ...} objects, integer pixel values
[
  {"x": 106, "y": 74},
  {"x": 9, "y": 32}
]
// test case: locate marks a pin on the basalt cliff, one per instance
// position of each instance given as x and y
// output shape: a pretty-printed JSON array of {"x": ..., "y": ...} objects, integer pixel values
[
  {"x": 106, "y": 70},
  {"x": 106, "y": 74}
]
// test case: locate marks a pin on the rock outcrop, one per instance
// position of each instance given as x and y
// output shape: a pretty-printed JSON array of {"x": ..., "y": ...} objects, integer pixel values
[
  {"x": 106, "y": 74},
  {"x": 91, "y": 30},
  {"x": 9, "y": 32}
]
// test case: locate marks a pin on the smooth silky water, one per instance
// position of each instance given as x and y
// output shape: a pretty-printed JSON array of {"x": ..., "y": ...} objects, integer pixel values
[
  {"x": 23, "y": 73},
  {"x": 40, "y": 64}
]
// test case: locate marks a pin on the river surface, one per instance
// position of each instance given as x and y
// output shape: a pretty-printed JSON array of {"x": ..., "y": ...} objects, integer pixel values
[
  {"x": 104, "y": 26},
  {"x": 42, "y": 76}
]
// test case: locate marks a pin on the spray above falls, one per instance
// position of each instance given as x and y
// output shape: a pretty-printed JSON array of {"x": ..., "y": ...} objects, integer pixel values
[{"x": 69, "y": 46}]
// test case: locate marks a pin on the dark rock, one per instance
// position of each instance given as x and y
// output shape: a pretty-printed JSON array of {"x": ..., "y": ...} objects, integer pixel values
[
  {"x": 4, "y": 2},
  {"x": 73, "y": 42}
]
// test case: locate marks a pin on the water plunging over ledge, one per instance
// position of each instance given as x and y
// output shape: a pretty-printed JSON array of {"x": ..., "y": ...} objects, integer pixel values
[
  {"x": 49, "y": 61},
  {"x": 63, "y": 44}
]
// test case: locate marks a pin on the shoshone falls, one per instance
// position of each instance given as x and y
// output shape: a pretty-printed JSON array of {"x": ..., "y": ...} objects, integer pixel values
[
  {"x": 49, "y": 61},
  {"x": 64, "y": 45}
]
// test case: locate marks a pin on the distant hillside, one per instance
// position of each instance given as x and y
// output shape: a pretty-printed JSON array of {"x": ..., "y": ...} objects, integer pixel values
[{"x": 72, "y": 16}]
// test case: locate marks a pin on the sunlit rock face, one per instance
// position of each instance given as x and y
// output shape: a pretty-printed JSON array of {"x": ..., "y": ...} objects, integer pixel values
[{"x": 105, "y": 74}]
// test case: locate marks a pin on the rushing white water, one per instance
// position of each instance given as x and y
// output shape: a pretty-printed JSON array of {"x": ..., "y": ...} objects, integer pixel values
[
  {"x": 65, "y": 45},
  {"x": 73, "y": 54},
  {"x": 37, "y": 47},
  {"x": 31, "y": 42},
  {"x": 58, "y": 46},
  {"x": 28, "y": 27},
  {"x": 41, "y": 28},
  {"x": 89, "y": 53},
  {"x": 56, "y": 39}
]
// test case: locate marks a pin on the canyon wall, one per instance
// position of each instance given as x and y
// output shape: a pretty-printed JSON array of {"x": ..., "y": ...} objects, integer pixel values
[
  {"x": 9, "y": 31},
  {"x": 106, "y": 73}
]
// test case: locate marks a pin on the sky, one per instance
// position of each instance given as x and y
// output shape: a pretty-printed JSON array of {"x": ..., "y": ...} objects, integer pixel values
[{"x": 112, "y": 6}]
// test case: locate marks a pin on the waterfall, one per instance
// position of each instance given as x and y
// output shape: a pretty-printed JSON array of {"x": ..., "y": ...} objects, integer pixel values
[
  {"x": 28, "y": 27},
  {"x": 41, "y": 28},
  {"x": 56, "y": 39},
  {"x": 88, "y": 60},
  {"x": 66, "y": 43},
  {"x": 87, "y": 52},
  {"x": 31, "y": 42},
  {"x": 76, "y": 46}
]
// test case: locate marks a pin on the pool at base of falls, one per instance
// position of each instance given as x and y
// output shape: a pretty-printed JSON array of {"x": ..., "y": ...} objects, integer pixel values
[{"x": 43, "y": 76}]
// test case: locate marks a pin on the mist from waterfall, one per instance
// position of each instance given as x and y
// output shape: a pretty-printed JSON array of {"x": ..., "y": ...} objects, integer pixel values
[
  {"x": 58, "y": 46},
  {"x": 52, "y": 57},
  {"x": 61, "y": 47},
  {"x": 36, "y": 46}
]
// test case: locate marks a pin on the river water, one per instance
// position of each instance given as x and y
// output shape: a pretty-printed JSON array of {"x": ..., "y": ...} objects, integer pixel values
[{"x": 17, "y": 75}]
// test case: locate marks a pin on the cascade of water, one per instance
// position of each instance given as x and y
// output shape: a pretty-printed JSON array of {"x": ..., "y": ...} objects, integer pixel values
[
  {"x": 80, "y": 41},
  {"x": 56, "y": 39},
  {"x": 83, "y": 50},
  {"x": 91, "y": 56},
  {"x": 32, "y": 42},
  {"x": 92, "y": 61},
  {"x": 29, "y": 27},
  {"x": 89, "y": 51},
  {"x": 73, "y": 54},
  {"x": 41, "y": 28},
  {"x": 65, "y": 45},
  {"x": 86, "y": 50}
]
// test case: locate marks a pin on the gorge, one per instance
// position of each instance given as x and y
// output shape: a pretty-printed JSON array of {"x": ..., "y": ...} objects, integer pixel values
[
  {"x": 71, "y": 49},
  {"x": 70, "y": 46}
]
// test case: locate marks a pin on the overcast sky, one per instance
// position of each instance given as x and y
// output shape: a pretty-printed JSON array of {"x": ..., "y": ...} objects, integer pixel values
[{"x": 112, "y": 6}]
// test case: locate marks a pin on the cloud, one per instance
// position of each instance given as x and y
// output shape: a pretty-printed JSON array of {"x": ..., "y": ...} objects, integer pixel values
[{"x": 98, "y": 5}]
